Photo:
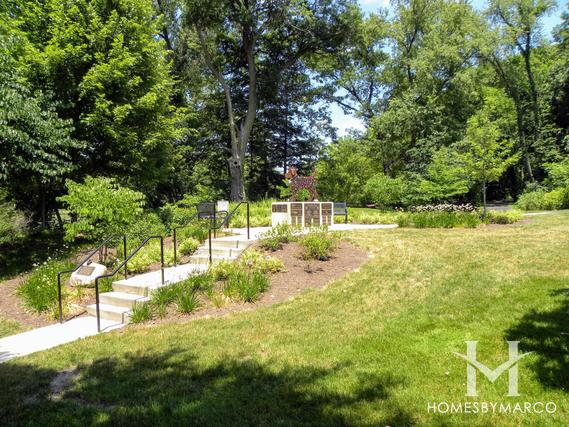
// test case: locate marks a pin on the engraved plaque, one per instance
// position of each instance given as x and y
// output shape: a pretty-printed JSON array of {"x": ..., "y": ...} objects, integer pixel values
[
  {"x": 311, "y": 214},
  {"x": 296, "y": 213},
  {"x": 327, "y": 213},
  {"x": 85, "y": 271},
  {"x": 279, "y": 208}
]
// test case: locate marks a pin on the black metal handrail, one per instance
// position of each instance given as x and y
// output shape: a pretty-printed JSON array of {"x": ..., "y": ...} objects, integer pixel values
[
  {"x": 87, "y": 258},
  {"x": 175, "y": 229},
  {"x": 124, "y": 263},
  {"x": 225, "y": 222}
]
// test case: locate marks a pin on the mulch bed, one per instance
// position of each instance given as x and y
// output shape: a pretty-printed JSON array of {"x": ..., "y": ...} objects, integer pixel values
[
  {"x": 299, "y": 275},
  {"x": 12, "y": 308}
]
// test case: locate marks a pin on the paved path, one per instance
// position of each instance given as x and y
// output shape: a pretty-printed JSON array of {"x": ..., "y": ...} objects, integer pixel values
[
  {"x": 54, "y": 335},
  {"x": 51, "y": 336}
]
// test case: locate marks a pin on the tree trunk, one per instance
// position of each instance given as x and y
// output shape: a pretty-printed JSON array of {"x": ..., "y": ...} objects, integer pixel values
[
  {"x": 533, "y": 90},
  {"x": 237, "y": 183},
  {"x": 484, "y": 199}
]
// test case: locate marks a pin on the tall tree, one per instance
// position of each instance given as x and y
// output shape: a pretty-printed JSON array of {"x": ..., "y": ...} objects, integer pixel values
[
  {"x": 519, "y": 22},
  {"x": 232, "y": 36}
]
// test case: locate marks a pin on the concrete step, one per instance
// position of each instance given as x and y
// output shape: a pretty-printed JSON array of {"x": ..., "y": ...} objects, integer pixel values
[
  {"x": 121, "y": 299},
  {"x": 110, "y": 312},
  {"x": 219, "y": 250},
  {"x": 203, "y": 258},
  {"x": 130, "y": 287},
  {"x": 229, "y": 243}
]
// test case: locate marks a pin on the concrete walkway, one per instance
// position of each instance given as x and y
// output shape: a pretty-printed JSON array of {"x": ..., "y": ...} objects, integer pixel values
[
  {"x": 51, "y": 336},
  {"x": 82, "y": 327}
]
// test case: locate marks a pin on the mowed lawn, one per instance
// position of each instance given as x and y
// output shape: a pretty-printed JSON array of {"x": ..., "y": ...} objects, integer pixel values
[{"x": 373, "y": 348}]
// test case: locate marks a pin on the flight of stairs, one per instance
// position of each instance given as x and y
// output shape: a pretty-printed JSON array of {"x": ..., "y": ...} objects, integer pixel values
[{"x": 117, "y": 305}]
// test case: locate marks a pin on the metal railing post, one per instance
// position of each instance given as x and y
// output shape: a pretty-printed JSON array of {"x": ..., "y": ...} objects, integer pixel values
[
  {"x": 175, "y": 247},
  {"x": 97, "y": 303},
  {"x": 59, "y": 297},
  {"x": 124, "y": 254},
  {"x": 162, "y": 257},
  {"x": 214, "y": 220},
  {"x": 210, "y": 255},
  {"x": 248, "y": 237}
]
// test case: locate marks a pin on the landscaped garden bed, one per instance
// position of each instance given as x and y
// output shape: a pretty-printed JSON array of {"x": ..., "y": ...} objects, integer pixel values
[{"x": 261, "y": 277}]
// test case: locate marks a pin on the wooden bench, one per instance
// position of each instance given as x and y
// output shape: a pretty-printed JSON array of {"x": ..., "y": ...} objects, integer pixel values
[{"x": 341, "y": 208}]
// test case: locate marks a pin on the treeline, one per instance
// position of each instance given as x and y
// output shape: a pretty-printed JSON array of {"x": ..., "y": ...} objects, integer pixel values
[{"x": 216, "y": 98}]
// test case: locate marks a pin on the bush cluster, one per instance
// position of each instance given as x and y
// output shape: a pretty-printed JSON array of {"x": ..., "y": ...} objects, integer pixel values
[
  {"x": 276, "y": 237},
  {"x": 39, "y": 289},
  {"x": 319, "y": 245},
  {"x": 540, "y": 199},
  {"x": 438, "y": 219}
]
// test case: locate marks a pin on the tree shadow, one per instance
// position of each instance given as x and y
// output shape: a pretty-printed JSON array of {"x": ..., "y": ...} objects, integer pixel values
[
  {"x": 173, "y": 388},
  {"x": 547, "y": 334}
]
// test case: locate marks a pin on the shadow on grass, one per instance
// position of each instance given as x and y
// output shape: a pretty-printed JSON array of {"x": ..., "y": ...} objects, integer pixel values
[
  {"x": 547, "y": 334},
  {"x": 171, "y": 388}
]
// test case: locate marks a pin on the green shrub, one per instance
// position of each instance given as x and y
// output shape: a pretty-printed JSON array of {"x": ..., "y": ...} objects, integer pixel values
[
  {"x": 13, "y": 224},
  {"x": 542, "y": 200},
  {"x": 256, "y": 260},
  {"x": 147, "y": 224},
  {"x": 276, "y": 237},
  {"x": 188, "y": 246},
  {"x": 141, "y": 312},
  {"x": 101, "y": 207},
  {"x": 303, "y": 195},
  {"x": 441, "y": 219},
  {"x": 162, "y": 297},
  {"x": 39, "y": 290},
  {"x": 223, "y": 269},
  {"x": 384, "y": 191},
  {"x": 503, "y": 217},
  {"x": 245, "y": 286},
  {"x": 187, "y": 300},
  {"x": 259, "y": 213},
  {"x": 148, "y": 255},
  {"x": 318, "y": 245}
]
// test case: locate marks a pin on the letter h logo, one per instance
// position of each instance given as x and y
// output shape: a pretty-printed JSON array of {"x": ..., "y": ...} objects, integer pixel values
[{"x": 511, "y": 365}]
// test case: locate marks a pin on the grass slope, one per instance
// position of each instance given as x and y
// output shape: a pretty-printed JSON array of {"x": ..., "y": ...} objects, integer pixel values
[{"x": 373, "y": 348}]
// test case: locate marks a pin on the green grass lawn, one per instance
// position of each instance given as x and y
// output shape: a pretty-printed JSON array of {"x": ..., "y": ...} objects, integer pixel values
[
  {"x": 373, "y": 348},
  {"x": 9, "y": 327}
]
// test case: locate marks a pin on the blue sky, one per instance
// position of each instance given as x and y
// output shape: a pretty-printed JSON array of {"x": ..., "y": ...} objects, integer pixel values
[{"x": 344, "y": 122}]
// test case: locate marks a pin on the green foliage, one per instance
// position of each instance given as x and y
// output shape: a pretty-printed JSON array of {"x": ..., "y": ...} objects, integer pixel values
[
  {"x": 145, "y": 225},
  {"x": 276, "y": 237},
  {"x": 446, "y": 178},
  {"x": 141, "y": 312},
  {"x": 244, "y": 285},
  {"x": 187, "y": 300},
  {"x": 544, "y": 200},
  {"x": 39, "y": 289},
  {"x": 188, "y": 246},
  {"x": 343, "y": 170},
  {"x": 256, "y": 260},
  {"x": 148, "y": 255},
  {"x": 259, "y": 212},
  {"x": 487, "y": 151},
  {"x": 13, "y": 224},
  {"x": 303, "y": 195},
  {"x": 503, "y": 217},
  {"x": 385, "y": 192},
  {"x": 428, "y": 219},
  {"x": 101, "y": 206},
  {"x": 319, "y": 245}
]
